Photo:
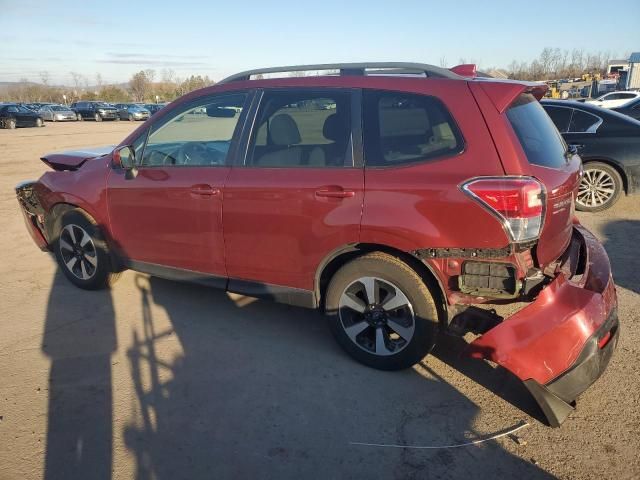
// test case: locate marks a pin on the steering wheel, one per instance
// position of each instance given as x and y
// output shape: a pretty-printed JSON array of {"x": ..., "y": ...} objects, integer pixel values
[{"x": 197, "y": 153}]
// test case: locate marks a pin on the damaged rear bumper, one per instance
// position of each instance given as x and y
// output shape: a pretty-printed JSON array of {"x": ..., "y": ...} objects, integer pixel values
[{"x": 562, "y": 342}]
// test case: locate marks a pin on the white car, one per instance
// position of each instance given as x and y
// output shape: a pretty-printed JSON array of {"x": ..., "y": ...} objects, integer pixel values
[{"x": 614, "y": 99}]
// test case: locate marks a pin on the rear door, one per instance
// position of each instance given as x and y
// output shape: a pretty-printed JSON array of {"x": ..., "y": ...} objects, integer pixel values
[
  {"x": 170, "y": 214},
  {"x": 298, "y": 195},
  {"x": 550, "y": 162}
]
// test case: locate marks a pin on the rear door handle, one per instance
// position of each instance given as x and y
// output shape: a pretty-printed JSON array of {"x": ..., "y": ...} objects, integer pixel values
[
  {"x": 335, "y": 193},
  {"x": 204, "y": 189}
]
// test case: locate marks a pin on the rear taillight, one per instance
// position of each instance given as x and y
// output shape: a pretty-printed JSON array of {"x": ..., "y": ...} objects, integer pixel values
[{"x": 518, "y": 202}]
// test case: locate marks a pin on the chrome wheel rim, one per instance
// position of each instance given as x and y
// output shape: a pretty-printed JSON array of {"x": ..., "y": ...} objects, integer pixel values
[
  {"x": 596, "y": 188},
  {"x": 376, "y": 316},
  {"x": 78, "y": 252}
]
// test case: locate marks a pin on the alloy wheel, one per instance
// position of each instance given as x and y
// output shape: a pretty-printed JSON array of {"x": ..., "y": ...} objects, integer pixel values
[
  {"x": 377, "y": 316},
  {"x": 596, "y": 188},
  {"x": 78, "y": 252}
]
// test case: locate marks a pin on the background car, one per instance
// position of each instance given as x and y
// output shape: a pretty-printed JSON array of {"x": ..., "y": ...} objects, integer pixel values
[
  {"x": 132, "y": 111},
  {"x": 36, "y": 106},
  {"x": 13, "y": 115},
  {"x": 614, "y": 99},
  {"x": 97, "y": 111},
  {"x": 609, "y": 144},
  {"x": 57, "y": 113},
  {"x": 154, "y": 107},
  {"x": 631, "y": 108}
]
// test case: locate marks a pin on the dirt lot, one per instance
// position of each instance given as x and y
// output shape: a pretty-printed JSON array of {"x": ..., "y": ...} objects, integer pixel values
[{"x": 156, "y": 379}]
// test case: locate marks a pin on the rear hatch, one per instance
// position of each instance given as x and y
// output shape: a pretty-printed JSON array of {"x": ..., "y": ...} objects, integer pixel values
[{"x": 552, "y": 164}]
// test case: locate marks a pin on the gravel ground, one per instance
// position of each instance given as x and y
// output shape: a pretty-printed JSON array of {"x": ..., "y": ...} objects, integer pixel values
[{"x": 156, "y": 379}]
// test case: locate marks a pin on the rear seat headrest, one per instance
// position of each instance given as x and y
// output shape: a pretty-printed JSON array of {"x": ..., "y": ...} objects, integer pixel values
[{"x": 284, "y": 130}]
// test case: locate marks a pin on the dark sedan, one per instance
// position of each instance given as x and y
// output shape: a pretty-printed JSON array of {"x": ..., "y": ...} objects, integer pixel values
[
  {"x": 13, "y": 115},
  {"x": 632, "y": 109},
  {"x": 97, "y": 111},
  {"x": 608, "y": 143},
  {"x": 154, "y": 107}
]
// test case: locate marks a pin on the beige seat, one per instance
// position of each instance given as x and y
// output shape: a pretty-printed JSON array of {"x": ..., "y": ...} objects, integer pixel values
[{"x": 284, "y": 133}]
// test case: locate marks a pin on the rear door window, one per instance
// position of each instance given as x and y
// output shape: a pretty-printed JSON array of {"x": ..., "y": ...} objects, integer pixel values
[
  {"x": 402, "y": 128},
  {"x": 561, "y": 117},
  {"x": 537, "y": 133},
  {"x": 583, "y": 122}
]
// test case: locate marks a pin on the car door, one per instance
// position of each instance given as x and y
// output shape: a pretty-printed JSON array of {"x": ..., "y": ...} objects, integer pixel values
[
  {"x": 298, "y": 194},
  {"x": 169, "y": 215}
]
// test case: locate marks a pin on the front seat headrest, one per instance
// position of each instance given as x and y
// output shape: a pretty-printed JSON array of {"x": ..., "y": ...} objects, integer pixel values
[
  {"x": 284, "y": 130},
  {"x": 334, "y": 128}
]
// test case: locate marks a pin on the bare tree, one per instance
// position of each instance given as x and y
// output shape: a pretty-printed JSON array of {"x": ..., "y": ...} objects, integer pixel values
[
  {"x": 139, "y": 85},
  {"x": 443, "y": 62}
]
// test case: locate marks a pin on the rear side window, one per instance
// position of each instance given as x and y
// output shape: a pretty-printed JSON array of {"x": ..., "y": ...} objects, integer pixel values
[
  {"x": 583, "y": 122},
  {"x": 538, "y": 136},
  {"x": 401, "y": 128},
  {"x": 560, "y": 116}
]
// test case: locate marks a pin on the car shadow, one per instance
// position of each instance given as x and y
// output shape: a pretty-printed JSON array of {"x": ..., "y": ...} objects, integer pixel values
[
  {"x": 620, "y": 237},
  {"x": 79, "y": 338},
  {"x": 261, "y": 389}
]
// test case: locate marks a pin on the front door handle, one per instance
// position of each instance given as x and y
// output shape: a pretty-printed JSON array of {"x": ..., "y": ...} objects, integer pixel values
[
  {"x": 204, "y": 189},
  {"x": 335, "y": 192}
]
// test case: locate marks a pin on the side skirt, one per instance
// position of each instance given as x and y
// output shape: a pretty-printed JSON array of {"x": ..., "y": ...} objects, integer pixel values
[{"x": 277, "y": 293}]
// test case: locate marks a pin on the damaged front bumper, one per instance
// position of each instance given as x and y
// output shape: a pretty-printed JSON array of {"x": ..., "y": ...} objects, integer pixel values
[
  {"x": 32, "y": 213},
  {"x": 562, "y": 342}
]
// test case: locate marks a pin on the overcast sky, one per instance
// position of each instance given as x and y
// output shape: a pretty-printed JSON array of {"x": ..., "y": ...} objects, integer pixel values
[{"x": 117, "y": 38}]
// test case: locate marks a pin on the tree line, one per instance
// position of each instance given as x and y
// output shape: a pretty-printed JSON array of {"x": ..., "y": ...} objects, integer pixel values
[{"x": 143, "y": 86}]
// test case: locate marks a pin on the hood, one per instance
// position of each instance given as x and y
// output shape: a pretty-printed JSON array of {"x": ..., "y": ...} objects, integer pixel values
[{"x": 73, "y": 159}]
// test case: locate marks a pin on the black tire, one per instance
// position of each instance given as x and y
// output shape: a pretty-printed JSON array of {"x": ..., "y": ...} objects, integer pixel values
[
  {"x": 39, "y": 122},
  {"x": 384, "y": 268},
  {"x": 10, "y": 124},
  {"x": 600, "y": 188},
  {"x": 97, "y": 117},
  {"x": 131, "y": 119},
  {"x": 100, "y": 275},
  {"x": 79, "y": 117}
]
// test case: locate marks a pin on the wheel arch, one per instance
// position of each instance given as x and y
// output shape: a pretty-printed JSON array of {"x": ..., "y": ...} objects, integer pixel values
[{"x": 342, "y": 255}]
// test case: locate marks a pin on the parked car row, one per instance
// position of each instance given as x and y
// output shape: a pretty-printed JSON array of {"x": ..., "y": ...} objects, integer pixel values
[{"x": 14, "y": 115}]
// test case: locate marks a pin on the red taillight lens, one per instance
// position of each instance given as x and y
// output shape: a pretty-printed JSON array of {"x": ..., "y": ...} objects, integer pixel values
[{"x": 517, "y": 201}]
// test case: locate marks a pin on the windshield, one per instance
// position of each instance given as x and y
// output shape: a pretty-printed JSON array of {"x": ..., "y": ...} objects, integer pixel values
[
  {"x": 59, "y": 108},
  {"x": 102, "y": 104}
]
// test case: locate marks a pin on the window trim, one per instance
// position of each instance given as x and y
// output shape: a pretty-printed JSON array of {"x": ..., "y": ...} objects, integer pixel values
[
  {"x": 171, "y": 115},
  {"x": 356, "y": 115},
  {"x": 457, "y": 131}
]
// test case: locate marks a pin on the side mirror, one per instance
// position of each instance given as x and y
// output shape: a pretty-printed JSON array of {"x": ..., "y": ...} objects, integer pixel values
[{"x": 125, "y": 158}]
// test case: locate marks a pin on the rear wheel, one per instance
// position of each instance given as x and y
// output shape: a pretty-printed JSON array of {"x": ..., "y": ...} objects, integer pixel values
[
  {"x": 600, "y": 187},
  {"x": 38, "y": 122},
  {"x": 131, "y": 118},
  {"x": 97, "y": 117},
  {"x": 79, "y": 117},
  {"x": 82, "y": 253},
  {"x": 381, "y": 312},
  {"x": 10, "y": 124}
]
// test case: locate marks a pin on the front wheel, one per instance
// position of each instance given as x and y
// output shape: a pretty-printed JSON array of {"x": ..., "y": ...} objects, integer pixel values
[
  {"x": 97, "y": 117},
  {"x": 381, "y": 312},
  {"x": 38, "y": 122},
  {"x": 79, "y": 117},
  {"x": 10, "y": 124},
  {"x": 600, "y": 187},
  {"x": 82, "y": 253},
  {"x": 131, "y": 119}
]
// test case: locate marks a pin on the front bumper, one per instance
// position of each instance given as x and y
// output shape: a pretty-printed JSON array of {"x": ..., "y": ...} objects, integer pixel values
[
  {"x": 32, "y": 213},
  {"x": 562, "y": 342}
]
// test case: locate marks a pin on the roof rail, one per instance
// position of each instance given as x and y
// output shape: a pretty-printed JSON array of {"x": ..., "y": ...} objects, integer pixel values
[{"x": 375, "y": 68}]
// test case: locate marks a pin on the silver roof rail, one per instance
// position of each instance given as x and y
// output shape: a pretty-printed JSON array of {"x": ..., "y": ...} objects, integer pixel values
[{"x": 375, "y": 68}]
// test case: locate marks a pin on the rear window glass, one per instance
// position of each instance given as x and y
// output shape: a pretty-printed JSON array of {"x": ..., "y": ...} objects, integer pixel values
[
  {"x": 401, "y": 128},
  {"x": 538, "y": 136}
]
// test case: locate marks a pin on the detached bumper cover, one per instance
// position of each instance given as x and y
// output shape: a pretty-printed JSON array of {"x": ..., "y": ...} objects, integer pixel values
[{"x": 562, "y": 342}]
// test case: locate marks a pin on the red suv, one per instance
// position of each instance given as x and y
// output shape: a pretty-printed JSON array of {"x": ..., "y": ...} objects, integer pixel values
[{"x": 392, "y": 196}]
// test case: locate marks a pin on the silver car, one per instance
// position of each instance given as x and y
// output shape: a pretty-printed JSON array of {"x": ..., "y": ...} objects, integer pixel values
[{"x": 57, "y": 113}]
